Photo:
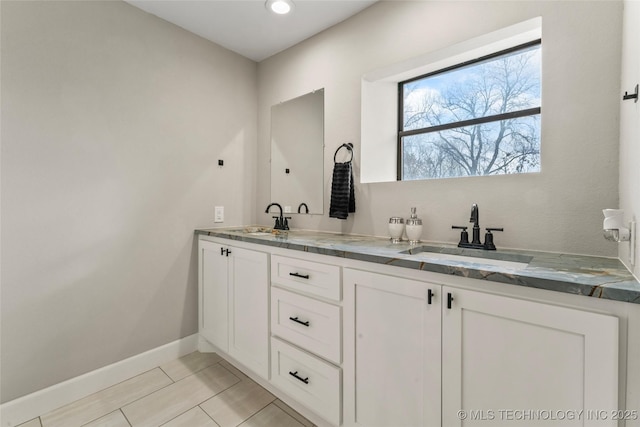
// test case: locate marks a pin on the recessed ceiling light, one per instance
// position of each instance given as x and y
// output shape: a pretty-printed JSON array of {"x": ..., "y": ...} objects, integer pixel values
[{"x": 281, "y": 7}]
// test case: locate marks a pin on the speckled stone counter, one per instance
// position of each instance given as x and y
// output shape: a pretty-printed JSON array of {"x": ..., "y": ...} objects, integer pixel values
[{"x": 596, "y": 277}]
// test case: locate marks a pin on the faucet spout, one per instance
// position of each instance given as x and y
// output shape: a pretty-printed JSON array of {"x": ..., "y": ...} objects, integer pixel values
[
  {"x": 274, "y": 204},
  {"x": 475, "y": 219},
  {"x": 475, "y": 215},
  {"x": 280, "y": 221}
]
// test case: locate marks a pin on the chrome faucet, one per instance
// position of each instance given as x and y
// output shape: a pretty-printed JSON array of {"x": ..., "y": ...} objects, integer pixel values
[{"x": 281, "y": 221}]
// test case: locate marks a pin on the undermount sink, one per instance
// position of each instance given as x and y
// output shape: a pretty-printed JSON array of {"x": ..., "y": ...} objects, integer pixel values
[
  {"x": 262, "y": 231},
  {"x": 472, "y": 256},
  {"x": 257, "y": 231}
]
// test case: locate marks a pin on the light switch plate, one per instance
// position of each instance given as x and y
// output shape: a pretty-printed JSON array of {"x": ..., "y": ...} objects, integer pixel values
[{"x": 219, "y": 214}]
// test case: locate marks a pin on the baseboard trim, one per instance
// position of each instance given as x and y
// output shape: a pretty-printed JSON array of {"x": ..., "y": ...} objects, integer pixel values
[{"x": 28, "y": 407}]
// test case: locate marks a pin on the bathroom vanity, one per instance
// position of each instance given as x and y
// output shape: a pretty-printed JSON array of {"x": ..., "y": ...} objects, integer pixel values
[{"x": 356, "y": 331}]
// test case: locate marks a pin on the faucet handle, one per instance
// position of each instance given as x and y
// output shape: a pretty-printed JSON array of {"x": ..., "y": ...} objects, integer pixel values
[
  {"x": 464, "y": 236},
  {"x": 277, "y": 226},
  {"x": 488, "y": 238},
  {"x": 285, "y": 223}
]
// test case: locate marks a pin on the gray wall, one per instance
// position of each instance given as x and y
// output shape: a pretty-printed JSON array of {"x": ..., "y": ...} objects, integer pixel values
[
  {"x": 630, "y": 127},
  {"x": 112, "y": 124},
  {"x": 558, "y": 209}
]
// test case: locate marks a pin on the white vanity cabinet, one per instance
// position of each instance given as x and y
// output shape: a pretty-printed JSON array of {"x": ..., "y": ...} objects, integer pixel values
[
  {"x": 306, "y": 326},
  {"x": 356, "y": 343},
  {"x": 502, "y": 353},
  {"x": 392, "y": 351},
  {"x": 213, "y": 290},
  {"x": 234, "y": 302},
  {"x": 417, "y": 354}
]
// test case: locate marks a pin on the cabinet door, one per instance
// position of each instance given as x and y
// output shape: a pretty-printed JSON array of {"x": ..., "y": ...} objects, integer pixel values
[
  {"x": 213, "y": 280},
  {"x": 392, "y": 351},
  {"x": 503, "y": 354},
  {"x": 249, "y": 309}
]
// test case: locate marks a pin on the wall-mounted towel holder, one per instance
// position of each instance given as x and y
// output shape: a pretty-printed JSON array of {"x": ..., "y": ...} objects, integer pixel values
[
  {"x": 633, "y": 96},
  {"x": 348, "y": 146}
]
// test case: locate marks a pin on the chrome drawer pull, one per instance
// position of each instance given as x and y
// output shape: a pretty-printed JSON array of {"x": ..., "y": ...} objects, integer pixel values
[
  {"x": 295, "y": 374},
  {"x": 295, "y": 319},
  {"x": 302, "y": 276}
]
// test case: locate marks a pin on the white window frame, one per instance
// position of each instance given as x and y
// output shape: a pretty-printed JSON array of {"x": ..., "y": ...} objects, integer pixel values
[{"x": 379, "y": 93}]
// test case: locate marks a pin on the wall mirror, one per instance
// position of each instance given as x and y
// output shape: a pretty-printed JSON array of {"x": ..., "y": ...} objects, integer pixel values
[{"x": 297, "y": 147}]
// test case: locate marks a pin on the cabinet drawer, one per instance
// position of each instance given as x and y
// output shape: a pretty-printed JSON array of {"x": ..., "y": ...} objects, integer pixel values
[
  {"x": 307, "y": 323},
  {"x": 311, "y": 381},
  {"x": 307, "y": 276}
]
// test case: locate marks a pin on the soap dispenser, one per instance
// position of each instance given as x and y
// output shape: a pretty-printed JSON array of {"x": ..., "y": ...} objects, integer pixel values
[{"x": 413, "y": 228}]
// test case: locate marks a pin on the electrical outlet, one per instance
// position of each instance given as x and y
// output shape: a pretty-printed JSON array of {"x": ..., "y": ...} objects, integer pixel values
[
  {"x": 219, "y": 214},
  {"x": 287, "y": 209}
]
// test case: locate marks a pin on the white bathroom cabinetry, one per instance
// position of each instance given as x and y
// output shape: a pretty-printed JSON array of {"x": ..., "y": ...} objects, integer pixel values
[
  {"x": 461, "y": 357},
  {"x": 506, "y": 354},
  {"x": 213, "y": 280},
  {"x": 306, "y": 326},
  {"x": 392, "y": 351},
  {"x": 355, "y": 343},
  {"x": 234, "y": 302}
]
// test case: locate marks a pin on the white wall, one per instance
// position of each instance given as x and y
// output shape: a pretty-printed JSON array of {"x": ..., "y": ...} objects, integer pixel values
[
  {"x": 556, "y": 210},
  {"x": 630, "y": 126},
  {"x": 112, "y": 125}
]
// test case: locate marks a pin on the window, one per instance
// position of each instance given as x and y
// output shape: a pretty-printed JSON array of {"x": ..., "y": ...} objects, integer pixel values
[{"x": 481, "y": 117}]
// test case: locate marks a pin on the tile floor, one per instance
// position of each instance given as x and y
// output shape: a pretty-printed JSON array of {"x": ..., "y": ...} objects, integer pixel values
[{"x": 197, "y": 390}]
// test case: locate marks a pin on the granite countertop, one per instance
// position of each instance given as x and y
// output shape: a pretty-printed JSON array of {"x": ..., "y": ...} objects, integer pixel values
[{"x": 596, "y": 277}]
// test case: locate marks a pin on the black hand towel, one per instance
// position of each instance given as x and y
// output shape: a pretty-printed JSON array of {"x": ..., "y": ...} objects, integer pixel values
[{"x": 343, "y": 199}]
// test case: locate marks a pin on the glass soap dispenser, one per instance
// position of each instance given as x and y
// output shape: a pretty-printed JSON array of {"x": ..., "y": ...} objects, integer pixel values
[{"x": 413, "y": 228}]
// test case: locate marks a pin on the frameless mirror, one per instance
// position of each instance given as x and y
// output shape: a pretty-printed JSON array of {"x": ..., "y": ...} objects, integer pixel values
[{"x": 297, "y": 147}]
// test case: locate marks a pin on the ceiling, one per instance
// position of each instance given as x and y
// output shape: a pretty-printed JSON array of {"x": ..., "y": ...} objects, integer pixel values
[{"x": 247, "y": 27}]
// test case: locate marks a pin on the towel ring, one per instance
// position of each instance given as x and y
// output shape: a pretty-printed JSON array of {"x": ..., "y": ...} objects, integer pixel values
[{"x": 348, "y": 146}]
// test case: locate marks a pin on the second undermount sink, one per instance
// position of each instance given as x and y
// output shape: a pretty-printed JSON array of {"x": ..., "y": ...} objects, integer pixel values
[{"x": 509, "y": 261}]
